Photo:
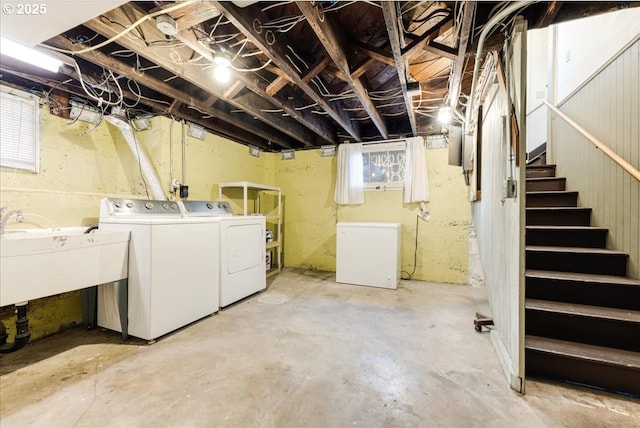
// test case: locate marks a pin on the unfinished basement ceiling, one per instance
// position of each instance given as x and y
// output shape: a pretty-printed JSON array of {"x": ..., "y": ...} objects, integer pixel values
[{"x": 303, "y": 74}]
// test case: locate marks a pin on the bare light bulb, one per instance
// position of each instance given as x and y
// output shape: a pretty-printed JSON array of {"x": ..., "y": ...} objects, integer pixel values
[{"x": 444, "y": 115}]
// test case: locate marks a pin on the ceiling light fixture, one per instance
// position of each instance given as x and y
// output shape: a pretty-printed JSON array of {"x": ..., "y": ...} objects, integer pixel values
[
  {"x": 29, "y": 55},
  {"x": 222, "y": 69},
  {"x": 288, "y": 154},
  {"x": 167, "y": 25},
  {"x": 444, "y": 115},
  {"x": 196, "y": 131},
  {"x": 327, "y": 151},
  {"x": 254, "y": 151},
  {"x": 141, "y": 123},
  {"x": 84, "y": 113}
]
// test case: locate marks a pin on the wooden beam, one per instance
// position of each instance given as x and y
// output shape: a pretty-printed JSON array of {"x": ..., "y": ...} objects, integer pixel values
[
  {"x": 195, "y": 14},
  {"x": 243, "y": 20},
  {"x": 249, "y": 102},
  {"x": 455, "y": 83},
  {"x": 277, "y": 84},
  {"x": 549, "y": 14},
  {"x": 175, "y": 106},
  {"x": 373, "y": 52},
  {"x": 288, "y": 126},
  {"x": 390, "y": 13},
  {"x": 334, "y": 42},
  {"x": 316, "y": 69},
  {"x": 363, "y": 67},
  {"x": 418, "y": 43},
  {"x": 442, "y": 50},
  {"x": 234, "y": 89},
  {"x": 103, "y": 60}
]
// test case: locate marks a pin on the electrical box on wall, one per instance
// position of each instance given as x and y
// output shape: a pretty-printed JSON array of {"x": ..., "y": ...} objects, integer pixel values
[{"x": 509, "y": 188}]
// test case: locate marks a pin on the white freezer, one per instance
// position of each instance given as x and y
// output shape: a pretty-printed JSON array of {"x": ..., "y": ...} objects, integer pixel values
[{"x": 368, "y": 254}]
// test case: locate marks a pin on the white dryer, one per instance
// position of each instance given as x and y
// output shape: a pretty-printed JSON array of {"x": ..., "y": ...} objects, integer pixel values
[
  {"x": 242, "y": 257},
  {"x": 242, "y": 248},
  {"x": 173, "y": 267}
]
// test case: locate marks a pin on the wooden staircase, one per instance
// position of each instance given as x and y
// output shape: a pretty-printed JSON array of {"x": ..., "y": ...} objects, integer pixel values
[{"x": 582, "y": 313}]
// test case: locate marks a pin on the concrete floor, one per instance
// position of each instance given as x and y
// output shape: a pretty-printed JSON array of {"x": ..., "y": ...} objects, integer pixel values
[{"x": 305, "y": 353}]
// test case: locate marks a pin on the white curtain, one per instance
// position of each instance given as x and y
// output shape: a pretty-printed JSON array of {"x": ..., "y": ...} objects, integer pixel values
[
  {"x": 349, "y": 181},
  {"x": 416, "y": 178}
]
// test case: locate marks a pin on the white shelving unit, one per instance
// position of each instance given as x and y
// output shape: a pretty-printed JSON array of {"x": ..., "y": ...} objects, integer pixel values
[{"x": 253, "y": 191}]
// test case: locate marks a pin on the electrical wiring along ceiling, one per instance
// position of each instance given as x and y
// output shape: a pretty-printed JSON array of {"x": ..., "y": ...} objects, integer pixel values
[{"x": 279, "y": 75}]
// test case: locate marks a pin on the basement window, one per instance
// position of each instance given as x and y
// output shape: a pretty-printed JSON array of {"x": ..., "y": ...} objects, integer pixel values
[
  {"x": 383, "y": 166},
  {"x": 20, "y": 130}
]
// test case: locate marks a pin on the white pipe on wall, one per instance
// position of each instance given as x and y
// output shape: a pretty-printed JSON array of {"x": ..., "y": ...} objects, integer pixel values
[
  {"x": 483, "y": 35},
  {"x": 148, "y": 171}
]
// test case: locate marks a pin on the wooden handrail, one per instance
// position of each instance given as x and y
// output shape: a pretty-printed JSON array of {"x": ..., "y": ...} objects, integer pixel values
[{"x": 634, "y": 172}]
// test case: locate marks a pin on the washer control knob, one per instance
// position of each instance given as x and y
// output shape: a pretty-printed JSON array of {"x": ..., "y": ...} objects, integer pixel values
[
  {"x": 209, "y": 205},
  {"x": 148, "y": 205},
  {"x": 173, "y": 206},
  {"x": 165, "y": 206},
  {"x": 129, "y": 204},
  {"x": 117, "y": 204}
]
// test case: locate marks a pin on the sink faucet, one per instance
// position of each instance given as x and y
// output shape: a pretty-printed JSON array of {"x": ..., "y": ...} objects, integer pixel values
[{"x": 4, "y": 218}]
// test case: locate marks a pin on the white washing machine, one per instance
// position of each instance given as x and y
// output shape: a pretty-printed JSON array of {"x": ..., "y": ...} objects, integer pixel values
[
  {"x": 173, "y": 267},
  {"x": 242, "y": 257}
]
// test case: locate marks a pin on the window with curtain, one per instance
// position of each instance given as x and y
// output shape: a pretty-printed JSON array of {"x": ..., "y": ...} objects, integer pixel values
[
  {"x": 398, "y": 165},
  {"x": 20, "y": 130},
  {"x": 383, "y": 165}
]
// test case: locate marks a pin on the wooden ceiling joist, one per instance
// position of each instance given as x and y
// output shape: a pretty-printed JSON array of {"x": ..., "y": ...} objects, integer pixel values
[
  {"x": 103, "y": 60},
  {"x": 389, "y": 11},
  {"x": 418, "y": 43},
  {"x": 335, "y": 43},
  {"x": 243, "y": 20},
  {"x": 249, "y": 102},
  {"x": 458, "y": 63}
]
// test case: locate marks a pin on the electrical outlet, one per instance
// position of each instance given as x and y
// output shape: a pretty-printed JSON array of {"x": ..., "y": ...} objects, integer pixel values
[{"x": 509, "y": 188}]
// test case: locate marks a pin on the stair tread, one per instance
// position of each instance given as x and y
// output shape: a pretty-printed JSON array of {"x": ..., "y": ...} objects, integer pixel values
[
  {"x": 581, "y": 250},
  {"x": 546, "y": 178},
  {"x": 541, "y": 166},
  {"x": 552, "y": 192},
  {"x": 599, "y": 354},
  {"x": 559, "y": 208},
  {"x": 550, "y": 227},
  {"x": 601, "y": 312},
  {"x": 581, "y": 277}
]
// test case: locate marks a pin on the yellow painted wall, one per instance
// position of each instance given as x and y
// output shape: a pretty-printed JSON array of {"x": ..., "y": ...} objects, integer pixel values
[
  {"x": 77, "y": 171},
  {"x": 311, "y": 215}
]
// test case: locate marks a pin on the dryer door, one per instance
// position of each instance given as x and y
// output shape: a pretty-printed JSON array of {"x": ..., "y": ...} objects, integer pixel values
[{"x": 244, "y": 247}]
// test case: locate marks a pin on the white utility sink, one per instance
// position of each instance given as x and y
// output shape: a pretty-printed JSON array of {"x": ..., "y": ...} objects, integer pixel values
[{"x": 37, "y": 263}]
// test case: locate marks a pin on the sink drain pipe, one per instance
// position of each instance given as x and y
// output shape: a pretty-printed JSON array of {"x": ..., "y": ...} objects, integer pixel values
[{"x": 22, "y": 331}]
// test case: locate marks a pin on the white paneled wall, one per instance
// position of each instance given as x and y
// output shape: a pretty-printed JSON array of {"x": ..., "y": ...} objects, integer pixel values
[
  {"x": 608, "y": 106},
  {"x": 499, "y": 223}
]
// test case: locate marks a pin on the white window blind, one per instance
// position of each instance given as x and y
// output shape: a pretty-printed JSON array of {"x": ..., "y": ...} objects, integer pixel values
[{"x": 19, "y": 130}]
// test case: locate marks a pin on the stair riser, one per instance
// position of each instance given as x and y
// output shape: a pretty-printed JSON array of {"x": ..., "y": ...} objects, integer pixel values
[
  {"x": 584, "y": 293},
  {"x": 593, "y": 331},
  {"x": 540, "y": 172},
  {"x": 552, "y": 200},
  {"x": 557, "y": 184},
  {"x": 604, "y": 264},
  {"x": 612, "y": 378},
  {"x": 567, "y": 238},
  {"x": 559, "y": 218}
]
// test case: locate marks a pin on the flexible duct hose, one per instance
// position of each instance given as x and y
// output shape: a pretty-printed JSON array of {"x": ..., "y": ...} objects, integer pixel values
[{"x": 148, "y": 171}]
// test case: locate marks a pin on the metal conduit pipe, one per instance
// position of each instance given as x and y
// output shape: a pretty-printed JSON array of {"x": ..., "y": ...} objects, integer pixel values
[{"x": 483, "y": 35}]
